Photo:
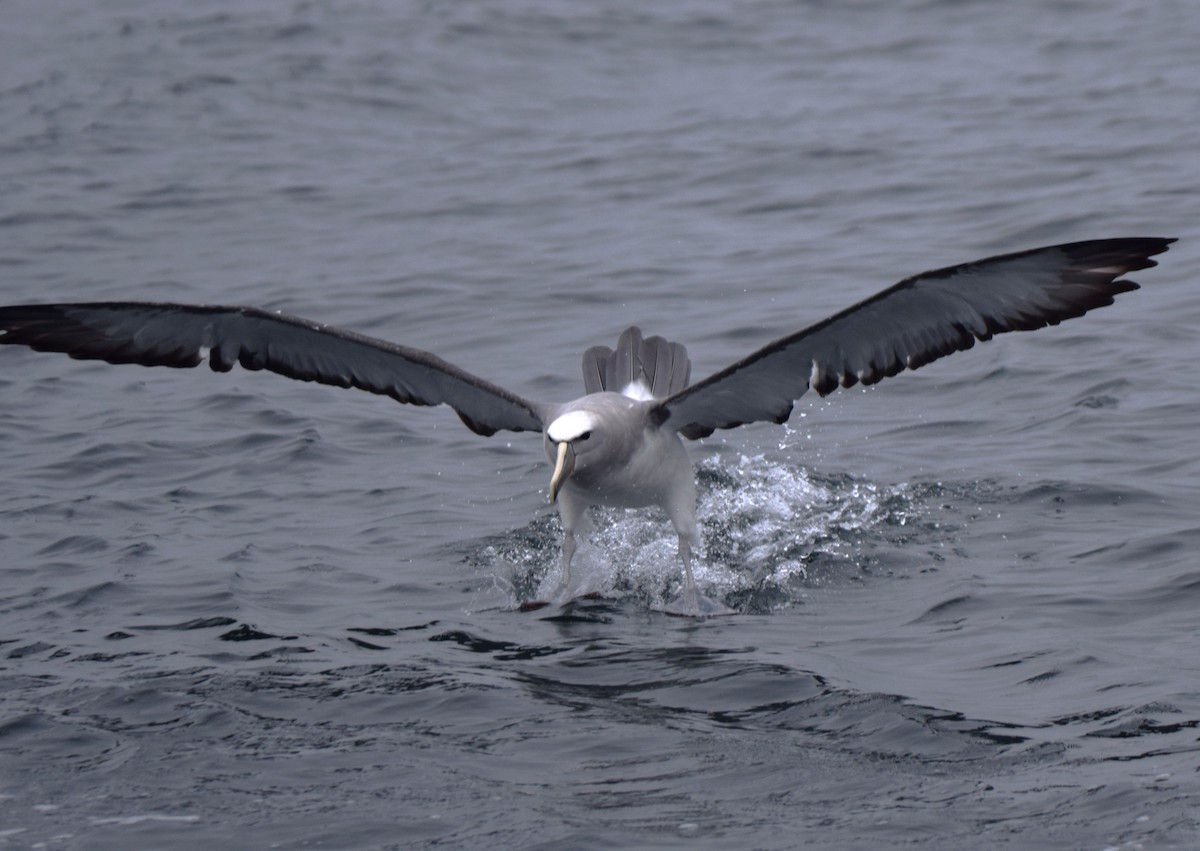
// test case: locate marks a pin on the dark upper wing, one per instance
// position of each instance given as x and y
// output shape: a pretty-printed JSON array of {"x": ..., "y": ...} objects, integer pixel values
[
  {"x": 183, "y": 335},
  {"x": 918, "y": 320}
]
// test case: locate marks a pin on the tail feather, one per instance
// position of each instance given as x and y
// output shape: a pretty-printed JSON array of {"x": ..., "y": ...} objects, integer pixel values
[
  {"x": 595, "y": 362},
  {"x": 625, "y": 365},
  {"x": 672, "y": 369},
  {"x": 638, "y": 367}
]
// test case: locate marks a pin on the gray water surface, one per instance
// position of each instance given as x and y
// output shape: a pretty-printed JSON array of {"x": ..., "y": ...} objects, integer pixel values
[{"x": 238, "y": 611}]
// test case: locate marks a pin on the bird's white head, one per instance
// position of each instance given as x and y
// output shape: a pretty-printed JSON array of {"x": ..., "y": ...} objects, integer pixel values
[
  {"x": 565, "y": 437},
  {"x": 571, "y": 426}
]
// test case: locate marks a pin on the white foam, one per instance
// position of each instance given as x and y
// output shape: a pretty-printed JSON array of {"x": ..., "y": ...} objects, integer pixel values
[{"x": 127, "y": 821}]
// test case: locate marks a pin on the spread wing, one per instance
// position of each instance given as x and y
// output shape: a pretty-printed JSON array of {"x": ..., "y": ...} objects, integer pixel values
[
  {"x": 184, "y": 335},
  {"x": 906, "y": 326}
]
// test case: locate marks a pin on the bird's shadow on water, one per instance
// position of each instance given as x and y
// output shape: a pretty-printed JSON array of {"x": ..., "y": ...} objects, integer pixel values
[{"x": 770, "y": 532}]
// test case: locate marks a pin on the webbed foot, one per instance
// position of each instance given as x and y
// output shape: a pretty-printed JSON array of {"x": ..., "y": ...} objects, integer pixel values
[
  {"x": 692, "y": 604},
  {"x": 565, "y": 592}
]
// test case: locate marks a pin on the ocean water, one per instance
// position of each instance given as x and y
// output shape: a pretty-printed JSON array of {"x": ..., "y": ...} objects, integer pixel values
[{"x": 243, "y": 612}]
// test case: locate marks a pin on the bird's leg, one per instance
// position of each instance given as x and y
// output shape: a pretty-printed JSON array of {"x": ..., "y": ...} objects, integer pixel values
[
  {"x": 691, "y": 603},
  {"x": 563, "y": 592},
  {"x": 685, "y": 555},
  {"x": 573, "y": 511}
]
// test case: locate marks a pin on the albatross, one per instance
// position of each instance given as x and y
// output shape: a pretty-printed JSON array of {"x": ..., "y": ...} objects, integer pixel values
[{"x": 620, "y": 444}]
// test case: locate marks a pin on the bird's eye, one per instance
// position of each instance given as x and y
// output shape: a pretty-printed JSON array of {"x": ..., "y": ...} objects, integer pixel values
[{"x": 584, "y": 436}]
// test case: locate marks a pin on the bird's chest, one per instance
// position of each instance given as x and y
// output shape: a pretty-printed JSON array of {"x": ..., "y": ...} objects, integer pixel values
[{"x": 638, "y": 477}]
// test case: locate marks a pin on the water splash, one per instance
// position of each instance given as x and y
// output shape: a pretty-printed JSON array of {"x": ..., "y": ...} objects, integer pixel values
[{"x": 770, "y": 531}]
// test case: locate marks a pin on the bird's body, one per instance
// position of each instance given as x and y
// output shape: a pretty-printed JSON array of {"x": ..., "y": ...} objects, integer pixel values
[
  {"x": 639, "y": 464},
  {"x": 620, "y": 444},
  {"x": 643, "y": 471}
]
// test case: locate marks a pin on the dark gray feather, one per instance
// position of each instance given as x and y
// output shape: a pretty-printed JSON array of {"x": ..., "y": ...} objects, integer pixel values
[
  {"x": 670, "y": 368},
  {"x": 917, "y": 321},
  {"x": 178, "y": 335},
  {"x": 595, "y": 364},
  {"x": 625, "y": 363},
  {"x": 661, "y": 366}
]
